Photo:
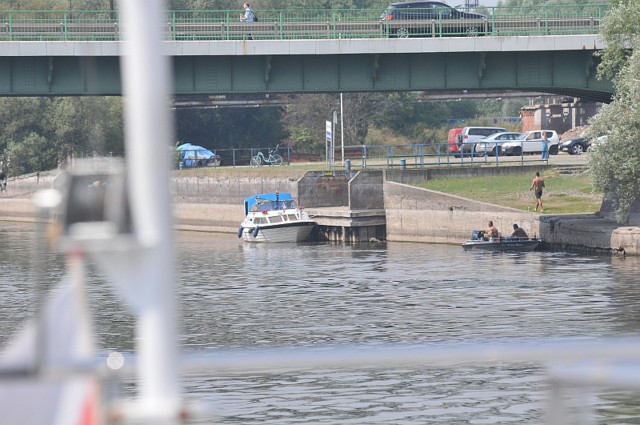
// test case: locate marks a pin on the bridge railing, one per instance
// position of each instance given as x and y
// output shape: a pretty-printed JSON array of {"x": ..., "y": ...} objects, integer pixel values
[
  {"x": 550, "y": 20},
  {"x": 102, "y": 25}
]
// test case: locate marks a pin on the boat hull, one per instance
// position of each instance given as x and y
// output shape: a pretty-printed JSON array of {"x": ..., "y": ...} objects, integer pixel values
[
  {"x": 299, "y": 231},
  {"x": 502, "y": 245}
]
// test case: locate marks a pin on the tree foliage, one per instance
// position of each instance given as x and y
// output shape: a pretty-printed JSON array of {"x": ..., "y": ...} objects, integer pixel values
[
  {"x": 39, "y": 133},
  {"x": 225, "y": 128},
  {"x": 405, "y": 115},
  {"x": 359, "y": 109},
  {"x": 32, "y": 153},
  {"x": 615, "y": 161}
]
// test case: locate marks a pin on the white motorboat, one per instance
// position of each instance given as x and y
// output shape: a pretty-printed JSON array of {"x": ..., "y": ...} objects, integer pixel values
[{"x": 274, "y": 217}]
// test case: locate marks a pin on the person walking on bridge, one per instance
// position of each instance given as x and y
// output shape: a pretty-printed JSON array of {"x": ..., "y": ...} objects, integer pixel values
[
  {"x": 538, "y": 185},
  {"x": 248, "y": 15}
]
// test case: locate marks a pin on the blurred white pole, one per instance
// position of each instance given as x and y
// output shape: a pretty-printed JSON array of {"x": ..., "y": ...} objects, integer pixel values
[{"x": 149, "y": 129}]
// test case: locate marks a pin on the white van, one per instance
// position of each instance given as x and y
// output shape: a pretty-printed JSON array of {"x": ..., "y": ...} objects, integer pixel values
[{"x": 469, "y": 135}]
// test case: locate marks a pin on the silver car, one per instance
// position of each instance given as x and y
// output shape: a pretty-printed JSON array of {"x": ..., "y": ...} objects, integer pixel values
[
  {"x": 531, "y": 142},
  {"x": 492, "y": 145}
]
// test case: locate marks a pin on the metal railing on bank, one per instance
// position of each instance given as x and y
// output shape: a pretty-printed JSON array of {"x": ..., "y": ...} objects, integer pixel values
[
  {"x": 188, "y": 25},
  {"x": 240, "y": 157},
  {"x": 355, "y": 157},
  {"x": 371, "y": 156},
  {"x": 425, "y": 155}
]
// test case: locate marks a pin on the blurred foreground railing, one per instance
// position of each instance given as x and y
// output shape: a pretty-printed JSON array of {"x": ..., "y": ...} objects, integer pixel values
[
  {"x": 572, "y": 366},
  {"x": 574, "y": 369}
]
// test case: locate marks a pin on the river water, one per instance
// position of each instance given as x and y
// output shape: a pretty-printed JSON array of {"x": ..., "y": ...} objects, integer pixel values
[{"x": 237, "y": 295}]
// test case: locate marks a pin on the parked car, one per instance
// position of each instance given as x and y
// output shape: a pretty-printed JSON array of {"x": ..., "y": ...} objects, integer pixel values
[
  {"x": 467, "y": 139},
  {"x": 531, "y": 142},
  {"x": 575, "y": 146},
  {"x": 422, "y": 18},
  {"x": 492, "y": 145},
  {"x": 452, "y": 145}
]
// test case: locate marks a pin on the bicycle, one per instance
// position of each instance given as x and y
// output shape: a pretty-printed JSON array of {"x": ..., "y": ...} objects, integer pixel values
[{"x": 273, "y": 159}]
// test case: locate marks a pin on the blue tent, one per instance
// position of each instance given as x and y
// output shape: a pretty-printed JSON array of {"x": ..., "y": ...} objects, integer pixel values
[{"x": 192, "y": 155}]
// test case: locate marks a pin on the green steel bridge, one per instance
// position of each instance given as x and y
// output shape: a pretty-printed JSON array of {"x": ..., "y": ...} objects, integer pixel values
[{"x": 549, "y": 50}]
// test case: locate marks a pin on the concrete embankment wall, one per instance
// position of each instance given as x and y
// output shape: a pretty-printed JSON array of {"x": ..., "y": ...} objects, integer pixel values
[
  {"x": 420, "y": 175},
  {"x": 421, "y": 215},
  {"x": 214, "y": 203},
  {"x": 366, "y": 191},
  {"x": 204, "y": 203},
  {"x": 16, "y": 204},
  {"x": 230, "y": 190},
  {"x": 589, "y": 233},
  {"x": 317, "y": 189},
  {"x": 17, "y": 209}
]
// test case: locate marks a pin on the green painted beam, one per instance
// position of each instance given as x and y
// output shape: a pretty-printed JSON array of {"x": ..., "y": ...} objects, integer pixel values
[{"x": 562, "y": 72}]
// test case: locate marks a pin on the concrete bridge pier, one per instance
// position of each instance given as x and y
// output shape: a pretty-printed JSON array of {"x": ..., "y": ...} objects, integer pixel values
[
  {"x": 348, "y": 206},
  {"x": 344, "y": 225}
]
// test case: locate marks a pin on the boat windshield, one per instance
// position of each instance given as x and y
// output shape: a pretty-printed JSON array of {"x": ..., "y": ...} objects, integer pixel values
[{"x": 264, "y": 205}]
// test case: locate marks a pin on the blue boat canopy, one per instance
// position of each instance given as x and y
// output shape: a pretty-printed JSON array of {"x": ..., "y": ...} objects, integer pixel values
[{"x": 268, "y": 202}]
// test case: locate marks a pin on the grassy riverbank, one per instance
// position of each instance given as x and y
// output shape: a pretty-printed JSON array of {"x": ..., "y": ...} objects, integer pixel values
[{"x": 564, "y": 193}]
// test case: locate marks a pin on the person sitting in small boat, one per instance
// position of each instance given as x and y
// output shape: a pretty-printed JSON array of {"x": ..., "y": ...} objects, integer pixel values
[
  {"x": 518, "y": 232},
  {"x": 492, "y": 232}
]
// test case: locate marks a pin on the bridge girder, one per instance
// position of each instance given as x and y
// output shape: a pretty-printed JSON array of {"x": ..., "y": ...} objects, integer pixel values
[{"x": 570, "y": 73}]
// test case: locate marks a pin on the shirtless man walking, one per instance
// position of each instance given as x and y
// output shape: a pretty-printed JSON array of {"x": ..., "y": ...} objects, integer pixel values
[{"x": 538, "y": 185}]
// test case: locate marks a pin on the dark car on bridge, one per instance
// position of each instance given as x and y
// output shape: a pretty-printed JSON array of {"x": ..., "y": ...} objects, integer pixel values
[
  {"x": 431, "y": 18},
  {"x": 575, "y": 146}
]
